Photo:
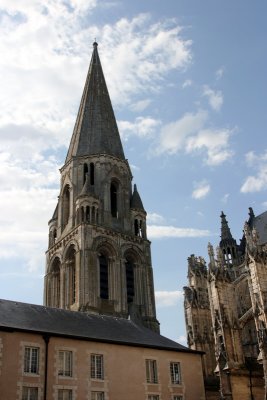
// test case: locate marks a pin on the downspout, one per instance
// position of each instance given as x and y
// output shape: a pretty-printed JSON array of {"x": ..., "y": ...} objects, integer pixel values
[{"x": 46, "y": 340}]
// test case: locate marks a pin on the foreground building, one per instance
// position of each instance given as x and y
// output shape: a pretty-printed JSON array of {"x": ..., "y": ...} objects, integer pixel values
[
  {"x": 50, "y": 353},
  {"x": 97, "y": 337},
  {"x": 225, "y": 311}
]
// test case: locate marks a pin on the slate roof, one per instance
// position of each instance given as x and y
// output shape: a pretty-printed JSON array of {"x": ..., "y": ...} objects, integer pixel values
[
  {"x": 260, "y": 223},
  {"x": 136, "y": 201},
  {"x": 95, "y": 130},
  {"x": 82, "y": 326}
]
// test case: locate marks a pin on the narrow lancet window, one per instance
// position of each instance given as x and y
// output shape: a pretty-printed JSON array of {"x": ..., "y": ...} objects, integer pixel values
[
  {"x": 66, "y": 206},
  {"x": 71, "y": 272},
  {"x": 129, "y": 267},
  {"x": 85, "y": 171},
  {"x": 92, "y": 174},
  {"x": 103, "y": 277},
  {"x": 113, "y": 200}
]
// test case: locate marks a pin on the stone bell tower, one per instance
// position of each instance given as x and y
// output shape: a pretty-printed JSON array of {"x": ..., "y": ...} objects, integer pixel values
[{"x": 98, "y": 258}]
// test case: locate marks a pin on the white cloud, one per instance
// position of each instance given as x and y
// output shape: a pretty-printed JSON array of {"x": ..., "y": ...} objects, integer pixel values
[
  {"x": 25, "y": 213},
  {"x": 142, "y": 127},
  {"x": 190, "y": 134},
  {"x": 214, "y": 142},
  {"x": 258, "y": 182},
  {"x": 141, "y": 105},
  {"x": 40, "y": 42},
  {"x": 187, "y": 83},
  {"x": 161, "y": 232},
  {"x": 145, "y": 53},
  {"x": 154, "y": 218},
  {"x": 215, "y": 98},
  {"x": 168, "y": 298},
  {"x": 201, "y": 190},
  {"x": 219, "y": 73},
  {"x": 173, "y": 136},
  {"x": 225, "y": 198}
]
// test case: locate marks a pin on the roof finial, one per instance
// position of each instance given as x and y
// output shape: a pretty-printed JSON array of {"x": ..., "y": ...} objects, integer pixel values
[{"x": 95, "y": 44}]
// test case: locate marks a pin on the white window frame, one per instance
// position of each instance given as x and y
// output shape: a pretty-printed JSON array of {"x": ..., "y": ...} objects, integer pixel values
[
  {"x": 177, "y": 397},
  {"x": 65, "y": 363},
  {"x": 31, "y": 360},
  {"x": 153, "y": 397},
  {"x": 151, "y": 371},
  {"x": 97, "y": 366},
  {"x": 175, "y": 371},
  {"x": 97, "y": 395},
  {"x": 64, "y": 394},
  {"x": 29, "y": 393}
]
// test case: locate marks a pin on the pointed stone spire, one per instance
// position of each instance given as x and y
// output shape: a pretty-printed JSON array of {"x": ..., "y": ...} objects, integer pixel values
[
  {"x": 95, "y": 130},
  {"x": 251, "y": 216},
  {"x": 87, "y": 187},
  {"x": 227, "y": 244},
  {"x": 225, "y": 230},
  {"x": 136, "y": 201}
]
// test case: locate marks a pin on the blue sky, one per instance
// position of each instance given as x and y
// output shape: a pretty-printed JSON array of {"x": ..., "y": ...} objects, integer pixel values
[{"x": 187, "y": 81}]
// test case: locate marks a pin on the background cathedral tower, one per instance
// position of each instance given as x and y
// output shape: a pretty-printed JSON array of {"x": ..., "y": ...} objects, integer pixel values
[{"x": 99, "y": 258}]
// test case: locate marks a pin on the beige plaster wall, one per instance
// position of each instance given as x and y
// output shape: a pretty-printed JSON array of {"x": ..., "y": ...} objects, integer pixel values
[{"x": 124, "y": 370}]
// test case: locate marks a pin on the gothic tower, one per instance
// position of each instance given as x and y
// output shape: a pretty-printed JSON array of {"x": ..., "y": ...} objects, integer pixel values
[
  {"x": 228, "y": 244},
  {"x": 98, "y": 258}
]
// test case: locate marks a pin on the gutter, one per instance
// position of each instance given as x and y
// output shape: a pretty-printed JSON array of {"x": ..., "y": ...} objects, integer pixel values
[{"x": 46, "y": 340}]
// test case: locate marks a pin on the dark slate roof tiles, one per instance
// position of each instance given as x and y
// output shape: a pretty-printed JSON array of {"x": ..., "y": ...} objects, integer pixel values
[
  {"x": 95, "y": 130},
  {"x": 80, "y": 325}
]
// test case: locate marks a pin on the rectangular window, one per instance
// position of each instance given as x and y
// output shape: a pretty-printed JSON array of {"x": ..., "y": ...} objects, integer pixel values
[
  {"x": 151, "y": 371},
  {"x": 97, "y": 367},
  {"x": 153, "y": 397},
  {"x": 31, "y": 360},
  {"x": 175, "y": 371},
  {"x": 97, "y": 396},
  {"x": 64, "y": 394},
  {"x": 65, "y": 363},
  {"x": 177, "y": 397},
  {"x": 29, "y": 393}
]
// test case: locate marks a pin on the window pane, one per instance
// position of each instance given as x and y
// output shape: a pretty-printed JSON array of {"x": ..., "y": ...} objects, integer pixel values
[
  {"x": 175, "y": 372},
  {"x": 97, "y": 396},
  {"x": 31, "y": 360},
  {"x": 97, "y": 370},
  {"x": 65, "y": 363},
  {"x": 29, "y": 393},
  {"x": 64, "y": 394},
  {"x": 151, "y": 371}
]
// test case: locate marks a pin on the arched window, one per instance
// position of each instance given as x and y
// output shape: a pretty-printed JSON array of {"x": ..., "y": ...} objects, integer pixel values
[
  {"x": 65, "y": 206},
  {"x": 136, "y": 227},
  {"x": 129, "y": 268},
  {"x": 87, "y": 218},
  {"x": 229, "y": 255},
  {"x": 54, "y": 300},
  {"x": 71, "y": 271},
  {"x": 103, "y": 276},
  {"x": 114, "y": 200},
  {"x": 54, "y": 236},
  {"x": 85, "y": 171},
  {"x": 92, "y": 174}
]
